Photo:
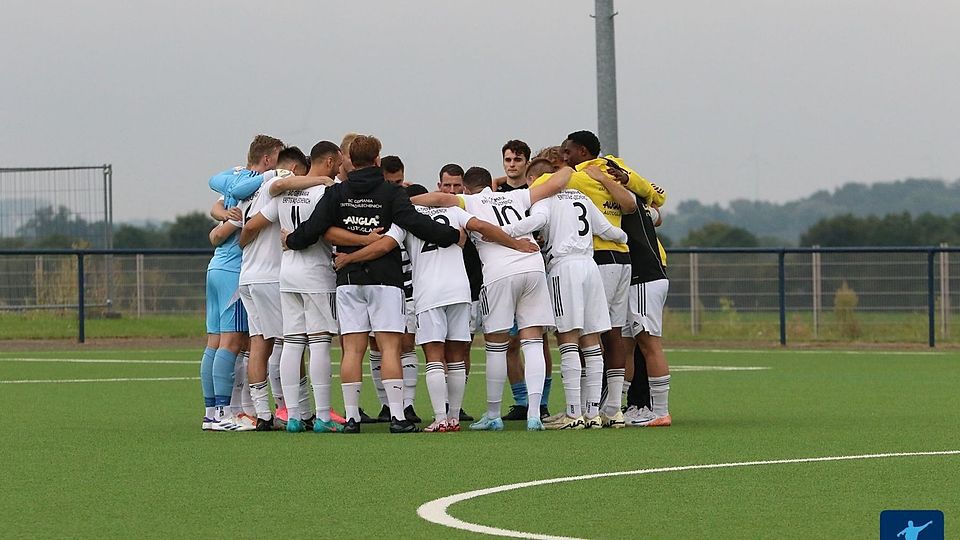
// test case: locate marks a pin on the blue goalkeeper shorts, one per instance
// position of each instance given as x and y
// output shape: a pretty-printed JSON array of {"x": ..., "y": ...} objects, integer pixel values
[
  {"x": 225, "y": 312},
  {"x": 515, "y": 331}
]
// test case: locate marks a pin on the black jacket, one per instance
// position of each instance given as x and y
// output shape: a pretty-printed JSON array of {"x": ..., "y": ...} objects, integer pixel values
[{"x": 361, "y": 204}]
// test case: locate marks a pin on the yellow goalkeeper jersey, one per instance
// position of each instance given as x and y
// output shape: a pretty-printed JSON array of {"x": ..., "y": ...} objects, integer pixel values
[{"x": 601, "y": 197}]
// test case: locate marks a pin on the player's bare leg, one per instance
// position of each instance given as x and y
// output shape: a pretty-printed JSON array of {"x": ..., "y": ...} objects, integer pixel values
[{"x": 351, "y": 374}]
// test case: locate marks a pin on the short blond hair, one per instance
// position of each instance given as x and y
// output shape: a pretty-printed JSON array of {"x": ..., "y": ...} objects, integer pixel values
[
  {"x": 539, "y": 166},
  {"x": 345, "y": 143},
  {"x": 553, "y": 153},
  {"x": 364, "y": 151},
  {"x": 262, "y": 145}
]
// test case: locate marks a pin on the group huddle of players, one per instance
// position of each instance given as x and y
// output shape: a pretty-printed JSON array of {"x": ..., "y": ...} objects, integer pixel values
[{"x": 338, "y": 244}]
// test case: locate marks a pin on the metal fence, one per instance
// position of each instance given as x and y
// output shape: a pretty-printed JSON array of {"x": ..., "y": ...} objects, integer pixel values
[{"x": 896, "y": 294}]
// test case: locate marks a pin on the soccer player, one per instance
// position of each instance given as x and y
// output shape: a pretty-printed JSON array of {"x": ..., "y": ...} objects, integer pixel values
[
  {"x": 451, "y": 181},
  {"x": 260, "y": 284},
  {"x": 241, "y": 183},
  {"x": 442, "y": 303},
  {"x": 226, "y": 327},
  {"x": 568, "y": 221},
  {"x": 648, "y": 294},
  {"x": 514, "y": 288},
  {"x": 393, "y": 172},
  {"x": 345, "y": 164},
  {"x": 370, "y": 294},
  {"x": 582, "y": 149},
  {"x": 308, "y": 292}
]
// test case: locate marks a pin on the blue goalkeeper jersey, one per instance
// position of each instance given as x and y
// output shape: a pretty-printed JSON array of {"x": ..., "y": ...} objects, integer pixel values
[
  {"x": 227, "y": 255},
  {"x": 236, "y": 184}
]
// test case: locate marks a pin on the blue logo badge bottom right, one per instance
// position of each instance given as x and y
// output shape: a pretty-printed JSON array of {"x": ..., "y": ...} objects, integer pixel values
[{"x": 911, "y": 525}]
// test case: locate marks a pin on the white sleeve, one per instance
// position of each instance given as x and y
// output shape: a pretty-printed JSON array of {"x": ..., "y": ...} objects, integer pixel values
[
  {"x": 539, "y": 215},
  {"x": 397, "y": 233},
  {"x": 461, "y": 216},
  {"x": 522, "y": 198},
  {"x": 602, "y": 228},
  {"x": 272, "y": 210}
]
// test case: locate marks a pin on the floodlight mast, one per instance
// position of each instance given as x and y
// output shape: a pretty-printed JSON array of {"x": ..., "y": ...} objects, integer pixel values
[{"x": 606, "y": 77}]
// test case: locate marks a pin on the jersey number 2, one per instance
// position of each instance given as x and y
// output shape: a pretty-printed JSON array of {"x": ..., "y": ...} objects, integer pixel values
[{"x": 427, "y": 246}]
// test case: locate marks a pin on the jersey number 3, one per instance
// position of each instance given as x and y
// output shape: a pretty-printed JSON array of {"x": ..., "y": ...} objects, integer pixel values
[{"x": 583, "y": 219}]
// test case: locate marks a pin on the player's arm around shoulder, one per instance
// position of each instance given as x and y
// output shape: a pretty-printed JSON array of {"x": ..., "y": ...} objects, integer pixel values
[
  {"x": 291, "y": 183},
  {"x": 407, "y": 217},
  {"x": 620, "y": 194},
  {"x": 647, "y": 190},
  {"x": 437, "y": 199},
  {"x": 222, "y": 232},
  {"x": 492, "y": 233}
]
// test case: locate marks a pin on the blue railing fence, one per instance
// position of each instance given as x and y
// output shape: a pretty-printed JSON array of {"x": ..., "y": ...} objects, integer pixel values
[{"x": 711, "y": 289}]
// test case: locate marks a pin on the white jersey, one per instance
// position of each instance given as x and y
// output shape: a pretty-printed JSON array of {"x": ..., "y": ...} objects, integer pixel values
[
  {"x": 439, "y": 277},
  {"x": 261, "y": 257},
  {"x": 568, "y": 221},
  {"x": 307, "y": 270},
  {"x": 503, "y": 209}
]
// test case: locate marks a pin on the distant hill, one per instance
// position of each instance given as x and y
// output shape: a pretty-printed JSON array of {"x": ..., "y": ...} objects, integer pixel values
[{"x": 786, "y": 222}]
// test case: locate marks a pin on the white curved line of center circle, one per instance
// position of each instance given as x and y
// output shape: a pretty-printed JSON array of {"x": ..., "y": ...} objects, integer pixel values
[{"x": 435, "y": 511}]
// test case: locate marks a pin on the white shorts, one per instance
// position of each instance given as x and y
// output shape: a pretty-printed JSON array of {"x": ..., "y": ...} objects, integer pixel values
[
  {"x": 370, "y": 308},
  {"x": 575, "y": 288},
  {"x": 476, "y": 318},
  {"x": 523, "y": 298},
  {"x": 646, "y": 308},
  {"x": 262, "y": 302},
  {"x": 616, "y": 287},
  {"x": 444, "y": 323},
  {"x": 411, "y": 316},
  {"x": 309, "y": 313}
]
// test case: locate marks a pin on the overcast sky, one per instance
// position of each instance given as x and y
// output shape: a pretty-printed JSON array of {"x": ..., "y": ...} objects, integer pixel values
[{"x": 758, "y": 99}]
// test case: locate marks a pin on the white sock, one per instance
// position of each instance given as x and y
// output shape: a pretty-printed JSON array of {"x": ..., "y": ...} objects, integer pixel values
[
  {"x": 290, "y": 370},
  {"x": 394, "y": 390},
  {"x": 246, "y": 400},
  {"x": 303, "y": 396},
  {"x": 583, "y": 389},
  {"x": 209, "y": 411},
  {"x": 409, "y": 361},
  {"x": 534, "y": 373},
  {"x": 437, "y": 388},
  {"x": 496, "y": 376},
  {"x": 320, "y": 374},
  {"x": 261, "y": 399},
  {"x": 659, "y": 392},
  {"x": 376, "y": 359},
  {"x": 456, "y": 385},
  {"x": 626, "y": 390},
  {"x": 219, "y": 413},
  {"x": 239, "y": 383},
  {"x": 351, "y": 400},
  {"x": 614, "y": 391},
  {"x": 593, "y": 359},
  {"x": 273, "y": 372},
  {"x": 570, "y": 373}
]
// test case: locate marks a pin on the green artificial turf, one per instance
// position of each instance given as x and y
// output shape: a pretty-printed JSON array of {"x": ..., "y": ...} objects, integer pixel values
[{"x": 125, "y": 459}]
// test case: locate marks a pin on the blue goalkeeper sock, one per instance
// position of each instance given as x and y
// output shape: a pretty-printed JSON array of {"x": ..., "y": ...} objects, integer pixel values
[
  {"x": 520, "y": 393},
  {"x": 224, "y": 366},
  {"x": 546, "y": 391},
  {"x": 206, "y": 376}
]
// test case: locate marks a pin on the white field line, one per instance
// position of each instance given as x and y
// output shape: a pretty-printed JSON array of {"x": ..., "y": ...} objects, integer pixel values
[
  {"x": 807, "y": 351},
  {"x": 435, "y": 511}
]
